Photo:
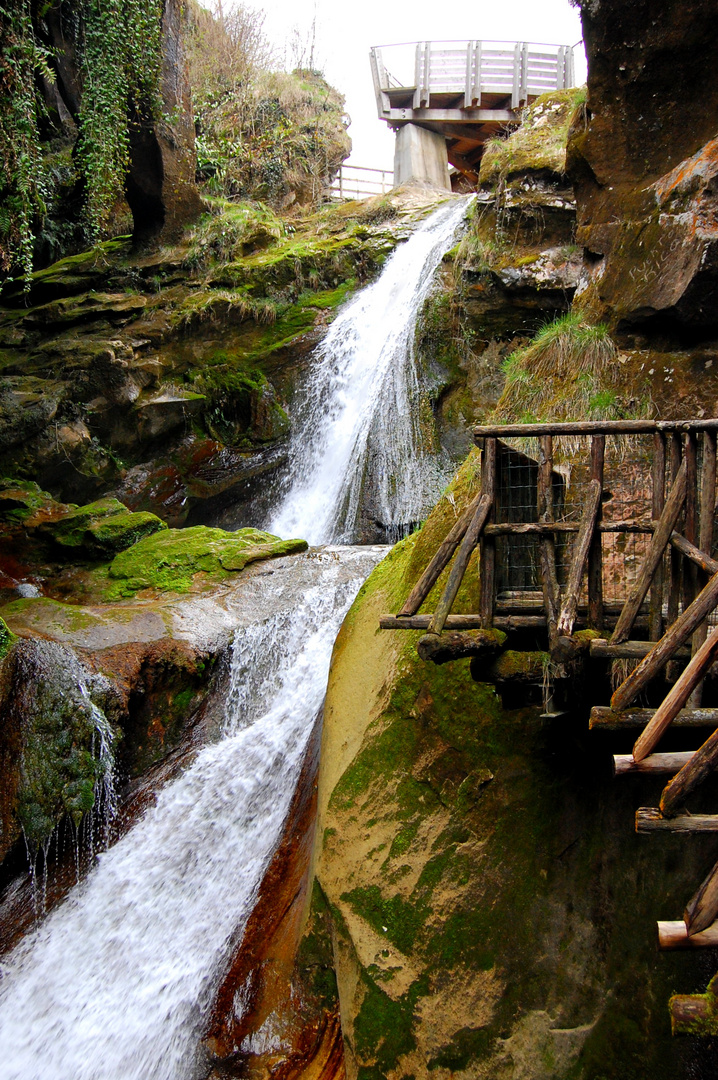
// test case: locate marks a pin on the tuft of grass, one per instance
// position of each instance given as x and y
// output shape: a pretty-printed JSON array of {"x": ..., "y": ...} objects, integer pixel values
[
  {"x": 230, "y": 231},
  {"x": 568, "y": 371}
]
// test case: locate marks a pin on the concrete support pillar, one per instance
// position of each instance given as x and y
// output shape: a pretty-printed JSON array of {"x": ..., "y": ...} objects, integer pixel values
[{"x": 420, "y": 158}]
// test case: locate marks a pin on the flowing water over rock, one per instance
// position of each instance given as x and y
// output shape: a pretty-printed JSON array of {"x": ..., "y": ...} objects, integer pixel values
[
  {"x": 116, "y": 983},
  {"x": 357, "y": 433}
]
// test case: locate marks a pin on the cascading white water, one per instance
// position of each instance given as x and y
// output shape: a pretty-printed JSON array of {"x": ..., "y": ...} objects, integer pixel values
[
  {"x": 358, "y": 415},
  {"x": 116, "y": 983}
]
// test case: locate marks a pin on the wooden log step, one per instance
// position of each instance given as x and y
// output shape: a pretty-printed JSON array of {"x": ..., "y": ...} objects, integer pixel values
[
  {"x": 654, "y": 763},
  {"x": 628, "y": 650},
  {"x": 694, "y": 1014},
  {"x": 421, "y": 622},
  {"x": 649, "y": 819},
  {"x": 604, "y": 717},
  {"x": 673, "y": 935},
  {"x": 455, "y": 645}
]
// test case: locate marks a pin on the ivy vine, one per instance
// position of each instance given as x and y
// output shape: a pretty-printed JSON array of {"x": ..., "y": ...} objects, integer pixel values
[{"x": 119, "y": 46}]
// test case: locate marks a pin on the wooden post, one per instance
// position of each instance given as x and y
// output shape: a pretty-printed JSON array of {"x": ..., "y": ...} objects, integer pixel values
[
  {"x": 655, "y": 618},
  {"x": 700, "y": 765},
  {"x": 705, "y": 532},
  {"x": 690, "y": 527},
  {"x": 487, "y": 550},
  {"x": 674, "y": 586},
  {"x": 676, "y": 699},
  {"x": 580, "y": 555},
  {"x": 471, "y": 538},
  {"x": 595, "y": 555},
  {"x": 431, "y": 575},
  {"x": 702, "y": 908},
  {"x": 661, "y": 536},
  {"x": 664, "y": 650},
  {"x": 547, "y": 546}
]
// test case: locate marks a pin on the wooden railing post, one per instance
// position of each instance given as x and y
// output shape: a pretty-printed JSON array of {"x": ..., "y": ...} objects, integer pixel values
[
  {"x": 658, "y": 500},
  {"x": 595, "y": 555},
  {"x": 547, "y": 544},
  {"x": 690, "y": 528},
  {"x": 487, "y": 550},
  {"x": 674, "y": 581}
]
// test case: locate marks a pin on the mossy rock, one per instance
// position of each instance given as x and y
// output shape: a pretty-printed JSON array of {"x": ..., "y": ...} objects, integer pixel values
[
  {"x": 102, "y": 528},
  {"x": 7, "y": 639},
  {"x": 170, "y": 559},
  {"x": 20, "y": 499}
]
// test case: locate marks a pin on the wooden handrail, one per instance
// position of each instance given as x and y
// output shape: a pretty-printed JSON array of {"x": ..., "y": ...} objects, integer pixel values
[{"x": 593, "y": 427}]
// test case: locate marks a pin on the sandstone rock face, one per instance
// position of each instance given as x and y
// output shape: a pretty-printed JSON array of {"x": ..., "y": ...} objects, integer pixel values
[{"x": 644, "y": 162}]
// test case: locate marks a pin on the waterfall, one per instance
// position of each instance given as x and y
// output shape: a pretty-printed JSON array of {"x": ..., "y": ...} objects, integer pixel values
[
  {"x": 117, "y": 982},
  {"x": 356, "y": 422}
]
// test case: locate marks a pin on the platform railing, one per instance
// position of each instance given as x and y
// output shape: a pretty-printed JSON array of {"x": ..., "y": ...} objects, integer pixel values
[
  {"x": 473, "y": 69},
  {"x": 360, "y": 182}
]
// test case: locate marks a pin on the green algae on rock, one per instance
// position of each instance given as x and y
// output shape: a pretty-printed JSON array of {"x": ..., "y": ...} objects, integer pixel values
[
  {"x": 7, "y": 639},
  {"x": 168, "y": 560},
  {"x": 101, "y": 528}
]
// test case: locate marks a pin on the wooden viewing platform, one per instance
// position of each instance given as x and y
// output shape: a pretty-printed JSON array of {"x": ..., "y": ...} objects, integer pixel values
[
  {"x": 608, "y": 526},
  {"x": 466, "y": 91}
]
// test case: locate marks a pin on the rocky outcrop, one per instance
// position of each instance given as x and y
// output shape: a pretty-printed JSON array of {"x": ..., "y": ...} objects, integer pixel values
[{"x": 644, "y": 161}]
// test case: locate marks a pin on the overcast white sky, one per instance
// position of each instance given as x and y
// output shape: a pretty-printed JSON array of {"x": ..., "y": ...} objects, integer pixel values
[{"x": 347, "y": 30}]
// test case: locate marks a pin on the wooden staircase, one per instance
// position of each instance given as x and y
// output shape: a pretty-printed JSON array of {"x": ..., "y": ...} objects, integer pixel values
[{"x": 673, "y": 594}]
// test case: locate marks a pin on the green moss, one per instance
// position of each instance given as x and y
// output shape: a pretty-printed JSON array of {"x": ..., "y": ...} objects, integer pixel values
[
  {"x": 539, "y": 143},
  {"x": 383, "y": 1028},
  {"x": 20, "y": 499},
  {"x": 170, "y": 559},
  {"x": 101, "y": 527},
  {"x": 7, "y": 639}
]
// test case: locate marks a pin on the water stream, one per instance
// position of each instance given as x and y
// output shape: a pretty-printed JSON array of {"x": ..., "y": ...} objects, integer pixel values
[
  {"x": 357, "y": 436},
  {"x": 117, "y": 982}
]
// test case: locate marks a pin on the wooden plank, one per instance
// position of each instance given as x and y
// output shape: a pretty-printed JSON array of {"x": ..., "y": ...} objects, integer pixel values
[
  {"x": 658, "y": 500},
  {"x": 547, "y": 549},
  {"x": 468, "y": 99},
  {"x": 693, "y": 773},
  {"x": 446, "y": 549},
  {"x": 673, "y": 935},
  {"x": 702, "y": 908},
  {"x": 649, "y": 819},
  {"x": 661, "y": 536},
  {"x": 654, "y": 763},
  {"x": 456, "y": 576},
  {"x": 603, "y": 717},
  {"x": 593, "y": 427},
  {"x": 516, "y": 76},
  {"x": 704, "y": 561},
  {"x": 487, "y": 551},
  {"x": 600, "y": 649},
  {"x": 595, "y": 555},
  {"x": 580, "y": 556},
  {"x": 476, "y": 89},
  {"x": 663, "y": 650},
  {"x": 519, "y": 528},
  {"x": 677, "y": 697}
]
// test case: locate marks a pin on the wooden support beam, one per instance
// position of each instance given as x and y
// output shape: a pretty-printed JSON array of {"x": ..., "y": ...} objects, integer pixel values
[
  {"x": 595, "y": 554},
  {"x": 603, "y": 717},
  {"x": 674, "y": 562},
  {"x": 695, "y": 1014},
  {"x": 673, "y": 935},
  {"x": 693, "y": 773},
  {"x": 690, "y": 526},
  {"x": 658, "y": 501},
  {"x": 699, "y": 557},
  {"x": 593, "y": 427},
  {"x": 431, "y": 575},
  {"x": 705, "y": 533},
  {"x": 654, "y": 763},
  {"x": 487, "y": 551},
  {"x": 520, "y": 528},
  {"x": 649, "y": 819},
  {"x": 702, "y": 908},
  {"x": 600, "y": 649},
  {"x": 456, "y": 645},
  {"x": 547, "y": 548},
  {"x": 678, "y": 695},
  {"x": 580, "y": 556},
  {"x": 661, "y": 536},
  {"x": 468, "y": 543},
  {"x": 664, "y": 649}
]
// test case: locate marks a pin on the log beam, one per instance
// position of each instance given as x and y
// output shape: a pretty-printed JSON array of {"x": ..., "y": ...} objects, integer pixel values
[
  {"x": 694, "y": 772},
  {"x": 441, "y": 559},
  {"x": 649, "y": 819},
  {"x": 673, "y": 935},
  {"x": 456, "y": 576},
  {"x": 457, "y": 645},
  {"x": 603, "y": 717},
  {"x": 580, "y": 557},
  {"x": 654, "y": 763},
  {"x": 702, "y": 908}
]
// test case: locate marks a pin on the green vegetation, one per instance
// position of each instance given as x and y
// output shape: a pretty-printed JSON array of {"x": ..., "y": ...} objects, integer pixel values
[
  {"x": 169, "y": 560},
  {"x": 101, "y": 528},
  {"x": 118, "y": 46},
  {"x": 540, "y": 143},
  {"x": 7, "y": 639},
  {"x": 262, "y": 134},
  {"x": 569, "y": 370}
]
